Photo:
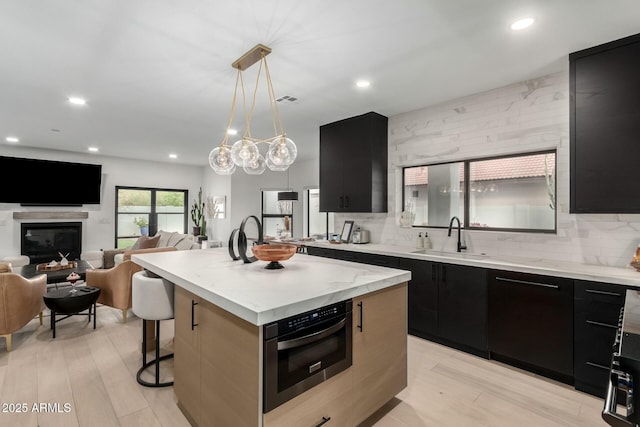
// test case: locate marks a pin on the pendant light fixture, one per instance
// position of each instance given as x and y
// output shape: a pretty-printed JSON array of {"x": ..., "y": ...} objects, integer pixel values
[{"x": 244, "y": 153}]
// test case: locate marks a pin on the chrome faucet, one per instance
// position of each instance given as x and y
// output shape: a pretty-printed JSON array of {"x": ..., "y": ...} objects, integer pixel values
[{"x": 461, "y": 247}]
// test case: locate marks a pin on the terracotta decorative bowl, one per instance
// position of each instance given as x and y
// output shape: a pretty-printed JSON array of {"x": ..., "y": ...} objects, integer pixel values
[{"x": 274, "y": 253}]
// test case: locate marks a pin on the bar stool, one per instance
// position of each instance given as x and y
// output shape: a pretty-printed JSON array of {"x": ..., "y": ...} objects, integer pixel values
[{"x": 152, "y": 299}]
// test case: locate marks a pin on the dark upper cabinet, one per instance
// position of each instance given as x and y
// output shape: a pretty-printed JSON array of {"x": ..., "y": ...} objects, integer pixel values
[
  {"x": 353, "y": 164},
  {"x": 605, "y": 127}
]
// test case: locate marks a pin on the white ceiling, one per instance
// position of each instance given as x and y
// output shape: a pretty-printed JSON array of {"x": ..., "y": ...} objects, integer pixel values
[{"x": 158, "y": 79}]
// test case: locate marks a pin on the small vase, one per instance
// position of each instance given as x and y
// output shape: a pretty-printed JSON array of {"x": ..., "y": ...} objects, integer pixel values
[{"x": 196, "y": 231}]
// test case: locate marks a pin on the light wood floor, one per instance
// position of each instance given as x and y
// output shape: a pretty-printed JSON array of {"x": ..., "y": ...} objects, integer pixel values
[{"x": 94, "y": 373}]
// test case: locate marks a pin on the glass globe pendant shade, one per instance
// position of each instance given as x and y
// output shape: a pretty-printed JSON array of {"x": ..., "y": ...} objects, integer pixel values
[
  {"x": 220, "y": 161},
  {"x": 255, "y": 166},
  {"x": 282, "y": 151},
  {"x": 243, "y": 151},
  {"x": 275, "y": 168}
]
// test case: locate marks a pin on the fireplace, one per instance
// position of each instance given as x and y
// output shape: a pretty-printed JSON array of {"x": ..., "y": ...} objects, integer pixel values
[{"x": 42, "y": 241}]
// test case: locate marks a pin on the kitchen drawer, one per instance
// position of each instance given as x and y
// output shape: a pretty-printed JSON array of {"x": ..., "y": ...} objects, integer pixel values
[
  {"x": 323, "y": 252},
  {"x": 595, "y": 292},
  {"x": 366, "y": 258},
  {"x": 379, "y": 260},
  {"x": 596, "y": 313},
  {"x": 592, "y": 378}
]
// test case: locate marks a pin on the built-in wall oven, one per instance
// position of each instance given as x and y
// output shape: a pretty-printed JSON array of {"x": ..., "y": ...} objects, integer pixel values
[{"x": 303, "y": 350}]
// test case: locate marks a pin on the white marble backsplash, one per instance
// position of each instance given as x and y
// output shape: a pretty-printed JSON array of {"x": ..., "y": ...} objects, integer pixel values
[{"x": 528, "y": 116}]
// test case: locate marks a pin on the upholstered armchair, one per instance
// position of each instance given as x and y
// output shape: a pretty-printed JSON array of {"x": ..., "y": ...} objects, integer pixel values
[
  {"x": 115, "y": 282},
  {"x": 20, "y": 300}
]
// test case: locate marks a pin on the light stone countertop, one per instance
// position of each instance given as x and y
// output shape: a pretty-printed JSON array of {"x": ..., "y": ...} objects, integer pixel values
[
  {"x": 598, "y": 273},
  {"x": 260, "y": 296}
]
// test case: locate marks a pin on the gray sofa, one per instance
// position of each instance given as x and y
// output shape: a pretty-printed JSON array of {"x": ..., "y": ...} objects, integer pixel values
[{"x": 110, "y": 257}]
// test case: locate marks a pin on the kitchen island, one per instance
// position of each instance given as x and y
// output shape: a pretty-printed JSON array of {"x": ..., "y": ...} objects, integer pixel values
[{"x": 221, "y": 307}]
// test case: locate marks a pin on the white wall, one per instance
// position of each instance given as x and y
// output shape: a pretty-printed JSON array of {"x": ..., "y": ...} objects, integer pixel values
[
  {"x": 522, "y": 117},
  {"x": 99, "y": 229},
  {"x": 242, "y": 194},
  {"x": 245, "y": 191}
]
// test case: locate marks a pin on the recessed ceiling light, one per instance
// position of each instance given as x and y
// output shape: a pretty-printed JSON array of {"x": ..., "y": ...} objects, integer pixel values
[
  {"x": 363, "y": 83},
  {"x": 77, "y": 101},
  {"x": 522, "y": 23},
  {"x": 173, "y": 156},
  {"x": 94, "y": 149},
  {"x": 232, "y": 132},
  {"x": 12, "y": 139}
]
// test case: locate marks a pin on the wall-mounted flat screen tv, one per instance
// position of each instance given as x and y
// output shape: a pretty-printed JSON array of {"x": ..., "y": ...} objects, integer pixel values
[{"x": 39, "y": 182}]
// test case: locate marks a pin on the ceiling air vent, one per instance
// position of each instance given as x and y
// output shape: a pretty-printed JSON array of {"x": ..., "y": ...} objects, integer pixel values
[{"x": 287, "y": 98}]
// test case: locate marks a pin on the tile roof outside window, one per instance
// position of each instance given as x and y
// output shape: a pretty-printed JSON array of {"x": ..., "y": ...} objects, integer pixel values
[{"x": 494, "y": 169}]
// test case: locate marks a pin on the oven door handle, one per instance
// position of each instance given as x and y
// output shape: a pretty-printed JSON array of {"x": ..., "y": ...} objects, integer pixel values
[
  {"x": 307, "y": 339},
  {"x": 609, "y": 413}
]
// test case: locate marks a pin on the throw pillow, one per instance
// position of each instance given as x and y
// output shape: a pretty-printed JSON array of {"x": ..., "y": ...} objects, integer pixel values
[
  {"x": 175, "y": 238},
  {"x": 145, "y": 242},
  {"x": 164, "y": 237},
  {"x": 5, "y": 267},
  {"x": 185, "y": 244}
]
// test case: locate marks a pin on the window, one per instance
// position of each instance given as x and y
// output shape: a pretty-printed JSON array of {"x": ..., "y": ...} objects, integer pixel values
[
  {"x": 434, "y": 194},
  {"x": 146, "y": 210},
  {"x": 514, "y": 193},
  {"x": 319, "y": 224}
]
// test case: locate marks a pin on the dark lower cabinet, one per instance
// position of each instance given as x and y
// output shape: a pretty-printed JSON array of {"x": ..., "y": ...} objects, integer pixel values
[
  {"x": 423, "y": 297},
  {"x": 448, "y": 304},
  {"x": 556, "y": 327},
  {"x": 596, "y": 310},
  {"x": 462, "y": 307},
  {"x": 531, "y": 322}
]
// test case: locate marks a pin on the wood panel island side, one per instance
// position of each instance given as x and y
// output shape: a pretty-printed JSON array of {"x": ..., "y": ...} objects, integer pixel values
[{"x": 221, "y": 307}]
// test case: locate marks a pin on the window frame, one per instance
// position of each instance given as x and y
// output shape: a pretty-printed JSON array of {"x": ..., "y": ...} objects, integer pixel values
[
  {"x": 153, "y": 222},
  {"x": 467, "y": 191}
]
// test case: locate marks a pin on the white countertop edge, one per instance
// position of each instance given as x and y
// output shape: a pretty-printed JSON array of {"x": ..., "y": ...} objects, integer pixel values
[
  {"x": 588, "y": 272},
  {"x": 260, "y": 318}
]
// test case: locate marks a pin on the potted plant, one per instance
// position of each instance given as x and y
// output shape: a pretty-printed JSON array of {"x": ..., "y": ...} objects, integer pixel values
[
  {"x": 143, "y": 224},
  {"x": 197, "y": 216}
]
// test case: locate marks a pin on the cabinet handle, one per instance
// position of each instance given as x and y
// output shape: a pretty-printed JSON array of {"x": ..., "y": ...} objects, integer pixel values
[
  {"x": 346, "y": 201},
  {"x": 341, "y": 202},
  {"x": 611, "y": 294},
  {"x": 592, "y": 322},
  {"x": 524, "y": 282},
  {"x": 595, "y": 365},
  {"x": 324, "y": 421},
  {"x": 361, "y": 309},
  {"x": 193, "y": 315}
]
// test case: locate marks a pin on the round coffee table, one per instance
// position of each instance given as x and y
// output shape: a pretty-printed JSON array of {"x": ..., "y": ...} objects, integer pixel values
[{"x": 65, "y": 302}]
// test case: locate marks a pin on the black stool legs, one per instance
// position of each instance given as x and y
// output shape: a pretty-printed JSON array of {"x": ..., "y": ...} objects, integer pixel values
[{"x": 155, "y": 361}]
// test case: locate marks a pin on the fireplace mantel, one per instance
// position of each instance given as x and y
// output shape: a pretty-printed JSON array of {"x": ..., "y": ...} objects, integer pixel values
[{"x": 50, "y": 215}]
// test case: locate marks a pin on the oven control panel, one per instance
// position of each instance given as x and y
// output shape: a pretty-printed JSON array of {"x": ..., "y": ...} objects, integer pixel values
[{"x": 304, "y": 320}]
